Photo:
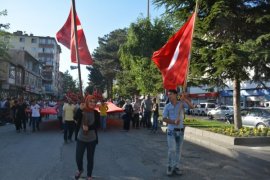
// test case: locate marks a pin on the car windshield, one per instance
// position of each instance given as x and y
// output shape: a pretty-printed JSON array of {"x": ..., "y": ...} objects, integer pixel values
[
  {"x": 211, "y": 105},
  {"x": 256, "y": 112},
  {"x": 266, "y": 112}
]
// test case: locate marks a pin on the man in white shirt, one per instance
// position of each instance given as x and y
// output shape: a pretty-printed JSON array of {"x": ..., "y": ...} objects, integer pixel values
[{"x": 35, "y": 109}]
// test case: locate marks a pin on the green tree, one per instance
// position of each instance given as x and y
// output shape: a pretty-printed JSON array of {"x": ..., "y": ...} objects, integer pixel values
[
  {"x": 4, "y": 37},
  {"x": 231, "y": 41},
  {"x": 139, "y": 72},
  {"x": 96, "y": 79},
  {"x": 69, "y": 83},
  {"x": 106, "y": 58}
]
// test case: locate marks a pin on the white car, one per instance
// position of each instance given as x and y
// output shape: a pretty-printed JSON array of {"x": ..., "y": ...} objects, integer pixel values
[
  {"x": 220, "y": 112},
  {"x": 202, "y": 109}
]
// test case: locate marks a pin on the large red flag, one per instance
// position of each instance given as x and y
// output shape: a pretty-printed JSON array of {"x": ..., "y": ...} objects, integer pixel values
[
  {"x": 173, "y": 58},
  {"x": 66, "y": 37}
]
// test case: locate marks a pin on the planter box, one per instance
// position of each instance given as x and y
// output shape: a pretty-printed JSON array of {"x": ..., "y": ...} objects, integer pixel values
[{"x": 203, "y": 135}]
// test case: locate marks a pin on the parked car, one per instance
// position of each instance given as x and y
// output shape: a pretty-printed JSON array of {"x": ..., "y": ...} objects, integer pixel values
[
  {"x": 220, "y": 112},
  {"x": 202, "y": 109},
  {"x": 253, "y": 117}
]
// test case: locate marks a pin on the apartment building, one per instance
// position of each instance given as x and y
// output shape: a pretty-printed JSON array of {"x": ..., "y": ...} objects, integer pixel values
[
  {"x": 47, "y": 52},
  {"x": 20, "y": 75}
]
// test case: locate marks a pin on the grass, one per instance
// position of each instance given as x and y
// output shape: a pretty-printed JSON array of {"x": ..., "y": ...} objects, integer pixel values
[{"x": 200, "y": 123}]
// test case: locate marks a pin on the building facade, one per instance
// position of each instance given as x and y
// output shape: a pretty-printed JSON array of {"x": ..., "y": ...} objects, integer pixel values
[
  {"x": 252, "y": 94},
  {"x": 20, "y": 75},
  {"x": 47, "y": 52}
]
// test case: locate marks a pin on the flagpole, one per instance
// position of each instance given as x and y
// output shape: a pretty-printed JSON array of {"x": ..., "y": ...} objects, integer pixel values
[
  {"x": 196, "y": 11},
  {"x": 74, "y": 15}
]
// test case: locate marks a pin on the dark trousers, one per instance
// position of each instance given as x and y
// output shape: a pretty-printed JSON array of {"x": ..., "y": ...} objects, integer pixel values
[
  {"x": 135, "y": 122},
  {"x": 126, "y": 119},
  {"x": 60, "y": 120},
  {"x": 147, "y": 118},
  {"x": 24, "y": 121},
  {"x": 68, "y": 130},
  {"x": 18, "y": 124},
  {"x": 90, "y": 149}
]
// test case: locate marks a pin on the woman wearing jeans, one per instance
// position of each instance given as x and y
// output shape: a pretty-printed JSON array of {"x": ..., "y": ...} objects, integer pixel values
[
  {"x": 87, "y": 137},
  {"x": 155, "y": 110}
]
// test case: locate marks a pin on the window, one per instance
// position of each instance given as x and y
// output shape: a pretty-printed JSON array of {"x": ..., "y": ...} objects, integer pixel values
[
  {"x": 33, "y": 40},
  {"x": 22, "y": 39}
]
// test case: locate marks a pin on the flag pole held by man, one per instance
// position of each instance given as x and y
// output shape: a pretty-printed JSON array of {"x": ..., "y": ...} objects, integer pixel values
[{"x": 173, "y": 62}]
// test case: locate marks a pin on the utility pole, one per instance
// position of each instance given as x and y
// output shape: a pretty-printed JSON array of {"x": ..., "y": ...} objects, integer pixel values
[{"x": 148, "y": 6}]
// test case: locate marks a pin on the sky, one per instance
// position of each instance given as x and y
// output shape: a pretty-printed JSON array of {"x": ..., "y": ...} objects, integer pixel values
[{"x": 98, "y": 18}]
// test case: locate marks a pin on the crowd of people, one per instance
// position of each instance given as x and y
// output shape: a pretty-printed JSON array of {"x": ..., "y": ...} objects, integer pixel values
[
  {"x": 86, "y": 118},
  {"x": 21, "y": 112}
]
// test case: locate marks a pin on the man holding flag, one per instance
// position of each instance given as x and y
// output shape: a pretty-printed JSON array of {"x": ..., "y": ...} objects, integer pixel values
[{"x": 173, "y": 62}]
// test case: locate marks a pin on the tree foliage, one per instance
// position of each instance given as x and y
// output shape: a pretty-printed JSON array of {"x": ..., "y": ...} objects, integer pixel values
[
  {"x": 69, "y": 83},
  {"x": 4, "y": 37},
  {"x": 96, "y": 79},
  {"x": 231, "y": 39},
  {"x": 106, "y": 59},
  {"x": 139, "y": 72}
]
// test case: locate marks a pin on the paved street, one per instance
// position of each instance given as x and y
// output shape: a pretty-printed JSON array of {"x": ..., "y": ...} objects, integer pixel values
[{"x": 133, "y": 155}]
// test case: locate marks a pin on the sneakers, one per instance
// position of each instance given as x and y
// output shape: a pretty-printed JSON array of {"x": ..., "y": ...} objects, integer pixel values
[
  {"x": 178, "y": 171},
  {"x": 78, "y": 174},
  {"x": 169, "y": 171},
  {"x": 175, "y": 170}
]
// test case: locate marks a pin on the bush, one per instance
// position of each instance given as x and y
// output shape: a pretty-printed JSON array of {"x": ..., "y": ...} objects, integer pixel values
[{"x": 243, "y": 132}]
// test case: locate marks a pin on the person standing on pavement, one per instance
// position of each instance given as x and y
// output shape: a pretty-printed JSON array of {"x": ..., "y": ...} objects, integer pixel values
[
  {"x": 146, "y": 107},
  {"x": 127, "y": 117},
  {"x": 136, "y": 116},
  {"x": 87, "y": 137},
  {"x": 173, "y": 115},
  {"x": 35, "y": 109},
  {"x": 103, "y": 108},
  {"x": 69, "y": 123},
  {"x": 21, "y": 114},
  {"x": 155, "y": 110}
]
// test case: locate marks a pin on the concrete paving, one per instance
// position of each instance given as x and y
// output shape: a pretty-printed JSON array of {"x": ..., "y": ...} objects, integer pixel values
[{"x": 133, "y": 155}]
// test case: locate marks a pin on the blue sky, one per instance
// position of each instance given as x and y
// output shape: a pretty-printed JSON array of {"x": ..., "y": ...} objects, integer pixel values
[{"x": 98, "y": 18}]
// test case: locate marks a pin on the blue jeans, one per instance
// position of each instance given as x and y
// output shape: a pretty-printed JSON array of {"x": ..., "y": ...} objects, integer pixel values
[
  {"x": 155, "y": 122},
  {"x": 175, "y": 141},
  {"x": 103, "y": 120},
  {"x": 35, "y": 123}
]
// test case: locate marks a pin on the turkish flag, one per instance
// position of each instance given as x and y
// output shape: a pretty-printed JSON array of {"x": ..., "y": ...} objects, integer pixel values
[
  {"x": 173, "y": 58},
  {"x": 66, "y": 36}
]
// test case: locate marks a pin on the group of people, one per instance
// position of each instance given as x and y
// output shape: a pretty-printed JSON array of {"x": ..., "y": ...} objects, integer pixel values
[
  {"x": 20, "y": 112},
  {"x": 140, "y": 113},
  {"x": 86, "y": 120}
]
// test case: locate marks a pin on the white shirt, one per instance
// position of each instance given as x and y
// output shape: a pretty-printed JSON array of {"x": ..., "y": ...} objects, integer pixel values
[{"x": 35, "y": 110}]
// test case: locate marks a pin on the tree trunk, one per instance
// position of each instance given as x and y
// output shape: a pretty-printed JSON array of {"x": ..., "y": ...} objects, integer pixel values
[{"x": 236, "y": 104}]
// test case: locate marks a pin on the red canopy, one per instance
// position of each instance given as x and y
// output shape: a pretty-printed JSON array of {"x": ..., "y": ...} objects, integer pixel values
[
  {"x": 48, "y": 110},
  {"x": 112, "y": 108},
  {"x": 43, "y": 111}
]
